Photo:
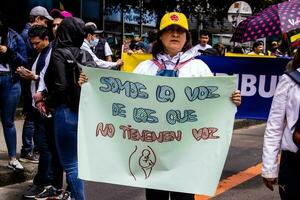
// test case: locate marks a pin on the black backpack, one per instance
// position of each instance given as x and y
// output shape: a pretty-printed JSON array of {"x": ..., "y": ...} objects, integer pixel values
[
  {"x": 295, "y": 76},
  {"x": 73, "y": 69},
  {"x": 100, "y": 49}
]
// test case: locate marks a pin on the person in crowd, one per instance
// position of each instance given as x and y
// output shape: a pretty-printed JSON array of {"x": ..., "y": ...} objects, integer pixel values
[
  {"x": 12, "y": 54},
  {"x": 274, "y": 51},
  {"x": 58, "y": 16},
  {"x": 171, "y": 57},
  {"x": 126, "y": 43},
  {"x": 37, "y": 16},
  {"x": 238, "y": 49},
  {"x": 29, "y": 151},
  {"x": 152, "y": 35},
  {"x": 100, "y": 47},
  {"x": 203, "y": 43},
  {"x": 145, "y": 41},
  {"x": 279, "y": 133},
  {"x": 220, "y": 49},
  {"x": 90, "y": 40},
  {"x": 209, "y": 52},
  {"x": 292, "y": 65},
  {"x": 257, "y": 49},
  {"x": 136, "y": 46},
  {"x": 49, "y": 175},
  {"x": 63, "y": 97}
]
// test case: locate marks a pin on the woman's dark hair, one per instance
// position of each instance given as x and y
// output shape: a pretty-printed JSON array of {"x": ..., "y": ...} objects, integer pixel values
[
  {"x": 3, "y": 28},
  {"x": 237, "y": 49},
  {"x": 256, "y": 44},
  {"x": 158, "y": 45},
  {"x": 296, "y": 60},
  {"x": 152, "y": 35}
]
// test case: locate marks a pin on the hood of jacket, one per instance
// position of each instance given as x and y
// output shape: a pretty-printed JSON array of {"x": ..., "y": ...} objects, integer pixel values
[{"x": 70, "y": 33}]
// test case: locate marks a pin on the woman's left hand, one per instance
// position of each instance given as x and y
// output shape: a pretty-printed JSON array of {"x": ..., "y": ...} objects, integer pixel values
[
  {"x": 82, "y": 79},
  {"x": 236, "y": 97}
]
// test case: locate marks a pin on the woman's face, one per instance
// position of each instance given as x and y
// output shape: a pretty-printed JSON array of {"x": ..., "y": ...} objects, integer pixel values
[{"x": 173, "y": 39}]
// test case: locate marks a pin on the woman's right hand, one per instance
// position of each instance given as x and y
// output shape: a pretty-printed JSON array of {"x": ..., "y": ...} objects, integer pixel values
[
  {"x": 82, "y": 79},
  {"x": 269, "y": 182}
]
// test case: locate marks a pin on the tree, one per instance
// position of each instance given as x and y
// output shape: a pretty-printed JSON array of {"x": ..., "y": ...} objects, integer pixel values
[{"x": 216, "y": 9}]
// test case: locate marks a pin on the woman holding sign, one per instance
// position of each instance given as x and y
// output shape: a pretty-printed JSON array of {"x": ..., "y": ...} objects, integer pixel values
[{"x": 172, "y": 58}]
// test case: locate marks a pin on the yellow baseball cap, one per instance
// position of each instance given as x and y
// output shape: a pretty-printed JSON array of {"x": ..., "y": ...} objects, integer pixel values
[{"x": 174, "y": 18}]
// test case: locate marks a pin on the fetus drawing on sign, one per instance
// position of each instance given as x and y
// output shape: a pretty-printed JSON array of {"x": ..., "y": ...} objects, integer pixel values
[{"x": 142, "y": 162}]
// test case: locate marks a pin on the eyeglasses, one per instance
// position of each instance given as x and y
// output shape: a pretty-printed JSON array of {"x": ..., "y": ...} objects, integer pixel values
[{"x": 177, "y": 29}]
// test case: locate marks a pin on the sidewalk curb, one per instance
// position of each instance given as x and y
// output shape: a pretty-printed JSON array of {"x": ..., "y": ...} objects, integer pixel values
[
  {"x": 8, "y": 177},
  {"x": 14, "y": 191},
  {"x": 243, "y": 123}
]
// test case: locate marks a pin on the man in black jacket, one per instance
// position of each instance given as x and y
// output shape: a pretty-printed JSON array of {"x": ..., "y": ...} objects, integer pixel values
[{"x": 63, "y": 97}]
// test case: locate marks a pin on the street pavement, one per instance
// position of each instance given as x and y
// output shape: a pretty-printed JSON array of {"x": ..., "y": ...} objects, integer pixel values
[{"x": 245, "y": 152}]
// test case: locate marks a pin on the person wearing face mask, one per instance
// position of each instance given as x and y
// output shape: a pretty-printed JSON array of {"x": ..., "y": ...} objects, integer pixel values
[
  {"x": 91, "y": 41},
  {"x": 102, "y": 49},
  {"x": 274, "y": 51}
]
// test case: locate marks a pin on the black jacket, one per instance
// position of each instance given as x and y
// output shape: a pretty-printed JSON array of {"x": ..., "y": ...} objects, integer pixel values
[{"x": 63, "y": 72}]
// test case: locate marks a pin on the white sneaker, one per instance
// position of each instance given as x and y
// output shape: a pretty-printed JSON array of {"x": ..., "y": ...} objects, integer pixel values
[{"x": 15, "y": 165}]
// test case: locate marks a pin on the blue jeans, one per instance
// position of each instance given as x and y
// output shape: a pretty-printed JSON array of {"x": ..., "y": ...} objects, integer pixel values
[
  {"x": 29, "y": 133},
  {"x": 9, "y": 98},
  {"x": 49, "y": 169},
  {"x": 65, "y": 130}
]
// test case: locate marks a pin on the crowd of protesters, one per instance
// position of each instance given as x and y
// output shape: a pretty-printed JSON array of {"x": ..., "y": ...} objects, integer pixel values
[
  {"x": 46, "y": 68},
  {"x": 139, "y": 45},
  {"x": 48, "y": 73}
]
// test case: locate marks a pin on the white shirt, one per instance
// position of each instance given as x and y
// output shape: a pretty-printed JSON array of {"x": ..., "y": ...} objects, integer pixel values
[
  {"x": 4, "y": 68},
  {"x": 193, "y": 68},
  {"x": 100, "y": 63},
  {"x": 198, "y": 47},
  {"x": 107, "y": 50},
  {"x": 42, "y": 85},
  {"x": 283, "y": 116}
]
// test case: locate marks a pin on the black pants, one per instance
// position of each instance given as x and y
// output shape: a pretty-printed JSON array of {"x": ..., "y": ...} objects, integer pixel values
[
  {"x": 289, "y": 176},
  {"x": 164, "y": 195},
  {"x": 50, "y": 171}
]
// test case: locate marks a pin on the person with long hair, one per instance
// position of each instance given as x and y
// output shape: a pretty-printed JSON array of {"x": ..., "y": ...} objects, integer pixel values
[
  {"x": 172, "y": 58},
  {"x": 12, "y": 55}
]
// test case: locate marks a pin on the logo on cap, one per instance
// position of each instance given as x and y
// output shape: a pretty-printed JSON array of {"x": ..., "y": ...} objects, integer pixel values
[{"x": 174, "y": 17}]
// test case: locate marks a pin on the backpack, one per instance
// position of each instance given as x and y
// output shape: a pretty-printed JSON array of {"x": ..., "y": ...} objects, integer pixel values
[
  {"x": 162, "y": 71},
  {"x": 100, "y": 49},
  {"x": 73, "y": 69},
  {"x": 295, "y": 76}
]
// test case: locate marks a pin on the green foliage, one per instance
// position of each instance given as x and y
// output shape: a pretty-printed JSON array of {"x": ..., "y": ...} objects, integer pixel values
[{"x": 209, "y": 8}]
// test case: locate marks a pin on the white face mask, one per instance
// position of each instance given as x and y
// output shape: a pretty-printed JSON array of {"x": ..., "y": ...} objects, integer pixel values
[{"x": 94, "y": 42}]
